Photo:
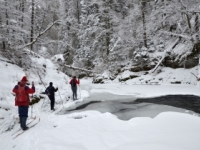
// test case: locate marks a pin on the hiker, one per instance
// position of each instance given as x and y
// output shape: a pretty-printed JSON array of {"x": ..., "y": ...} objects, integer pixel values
[
  {"x": 22, "y": 100},
  {"x": 50, "y": 91},
  {"x": 74, "y": 83}
]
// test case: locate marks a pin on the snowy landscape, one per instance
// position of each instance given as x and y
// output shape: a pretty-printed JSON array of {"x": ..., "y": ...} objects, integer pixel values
[
  {"x": 138, "y": 62},
  {"x": 170, "y": 129}
]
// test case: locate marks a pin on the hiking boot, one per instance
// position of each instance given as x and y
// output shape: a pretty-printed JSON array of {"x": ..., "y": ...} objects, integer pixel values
[
  {"x": 26, "y": 128},
  {"x": 23, "y": 123}
]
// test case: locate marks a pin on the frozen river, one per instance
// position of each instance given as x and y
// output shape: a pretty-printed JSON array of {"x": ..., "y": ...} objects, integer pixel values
[{"x": 127, "y": 107}]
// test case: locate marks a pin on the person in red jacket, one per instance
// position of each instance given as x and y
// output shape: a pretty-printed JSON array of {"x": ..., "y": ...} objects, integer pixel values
[
  {"x": 22, "y": 100},
  {"x": 74, "y": 83}
]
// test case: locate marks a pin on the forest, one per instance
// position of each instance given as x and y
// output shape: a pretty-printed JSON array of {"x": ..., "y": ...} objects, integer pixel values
[{"x": 95, "y": 36}]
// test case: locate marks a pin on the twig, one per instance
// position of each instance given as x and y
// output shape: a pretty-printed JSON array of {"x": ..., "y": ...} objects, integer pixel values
[
  {"x": 41, "y": 79},
  {"x": 198, "y": 79},
  {"x": 61, "y": 98}
]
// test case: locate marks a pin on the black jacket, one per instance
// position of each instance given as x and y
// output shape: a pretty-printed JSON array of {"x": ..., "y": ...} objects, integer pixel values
[{"x": 50, "y": 90}]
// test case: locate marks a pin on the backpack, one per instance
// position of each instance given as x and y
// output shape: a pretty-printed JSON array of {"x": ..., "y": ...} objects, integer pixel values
[
  {"x": 50, "y": 90},
  {"x": 21, "y": 94},
  {"x": 73, "y": 83},
  {"x": 47, "y": 91}
]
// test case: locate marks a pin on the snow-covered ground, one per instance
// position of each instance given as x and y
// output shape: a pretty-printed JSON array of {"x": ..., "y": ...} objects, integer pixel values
[{"x": 92, "y": 130}]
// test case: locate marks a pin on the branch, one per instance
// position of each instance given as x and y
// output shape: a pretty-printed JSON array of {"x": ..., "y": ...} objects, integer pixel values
[
  {"x": 40, "y": 34},
  {"x": 183, "y": 4},
  {"x": 198, "y": 79},
  {"x": 189, "y": 11},
  {"x": 76, "y": 68},
  {"x": 33, "y": 53},
  {"x": 175, "y": 34},
  {"x": 69, "y": 46},
  {"x": 7, "y": 61}
]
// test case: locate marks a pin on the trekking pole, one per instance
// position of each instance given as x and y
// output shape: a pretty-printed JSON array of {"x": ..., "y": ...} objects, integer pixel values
[
  {"x": 32, "y": 111},
  {"x": 79, "y": 88},
  {"x": 43, "y": 102},
  {"x": 71, "y": 93},
  {"x": 61, "y": 98},
  {"x": 31, "y": 106}
]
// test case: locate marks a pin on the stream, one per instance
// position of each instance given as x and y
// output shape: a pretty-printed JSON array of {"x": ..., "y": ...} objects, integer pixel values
[{"x": 126, "y": 107}]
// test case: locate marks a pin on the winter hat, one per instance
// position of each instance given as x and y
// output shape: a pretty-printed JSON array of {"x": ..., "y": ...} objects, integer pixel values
[
  {"x": 50, "y": 83},
  {"x": 24, "y": 79}
]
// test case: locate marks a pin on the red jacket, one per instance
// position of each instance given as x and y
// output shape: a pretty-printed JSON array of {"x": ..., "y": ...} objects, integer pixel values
[
  {"x": 27, "y": 90},
  {"x": 77, "y": 81}
]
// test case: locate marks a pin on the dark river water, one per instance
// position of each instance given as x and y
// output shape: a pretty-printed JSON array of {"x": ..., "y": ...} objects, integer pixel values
[
  {"x": 127, "y": 107},
  {"x": 189, "y": 102}
]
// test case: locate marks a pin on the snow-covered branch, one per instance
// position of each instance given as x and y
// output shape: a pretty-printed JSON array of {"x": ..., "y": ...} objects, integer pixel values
[
  {"x": 33, "y": 53},
  {"x": 40, "y": 34},
  {"x": 189, "y": 11},
  {"x": 7, "y": 61},
  {"x": 178, "y": 35},
  {"x": 183, "y": 4},
  {"x": 198, "y": 79},
  {"x": 76, "y": 68}
]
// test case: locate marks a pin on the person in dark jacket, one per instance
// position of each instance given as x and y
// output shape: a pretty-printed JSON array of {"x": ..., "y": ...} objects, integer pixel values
[
  {"x": 50, "y": 91},
  {"x": 74, "y": 83},
  {"x": 22, "y": 100}
]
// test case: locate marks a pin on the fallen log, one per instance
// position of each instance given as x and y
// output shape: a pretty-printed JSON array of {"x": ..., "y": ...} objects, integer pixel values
[
  {"x": 164, "y": 55},
  {"x": 76, "y": 68}
]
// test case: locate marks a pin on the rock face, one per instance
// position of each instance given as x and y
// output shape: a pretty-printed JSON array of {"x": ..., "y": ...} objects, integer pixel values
[
  {"x": 188, "y": 63},
  {"x": 138, "y": 69},
  {"x": 98, "y": 79},
  {"x": 191, "y": 60}
]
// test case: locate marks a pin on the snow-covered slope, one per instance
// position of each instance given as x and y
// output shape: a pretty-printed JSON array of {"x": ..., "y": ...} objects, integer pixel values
[
  {"x": 89, "y": 130},
  {"x": 10, "y": 74}
]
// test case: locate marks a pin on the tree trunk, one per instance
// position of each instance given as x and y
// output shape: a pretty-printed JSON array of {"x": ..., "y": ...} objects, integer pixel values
[
  {"x": 143, "y": 5},
  {"x": 32, "y": 24},
  {"x": 78, "y": 10},
  {"x": 7, "y": 23},
  {"x": 22, "y": 9},
  {"x": 197, "y": 31},
  {"x": 197, "y": 28},
  {"x": 198, "y": 81},
  {"x": 107, "y": 43},
  {"x": 6, "y": 5},
  {"x": 108, "y": 26},
  {"x": 189, "y": 26}
]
